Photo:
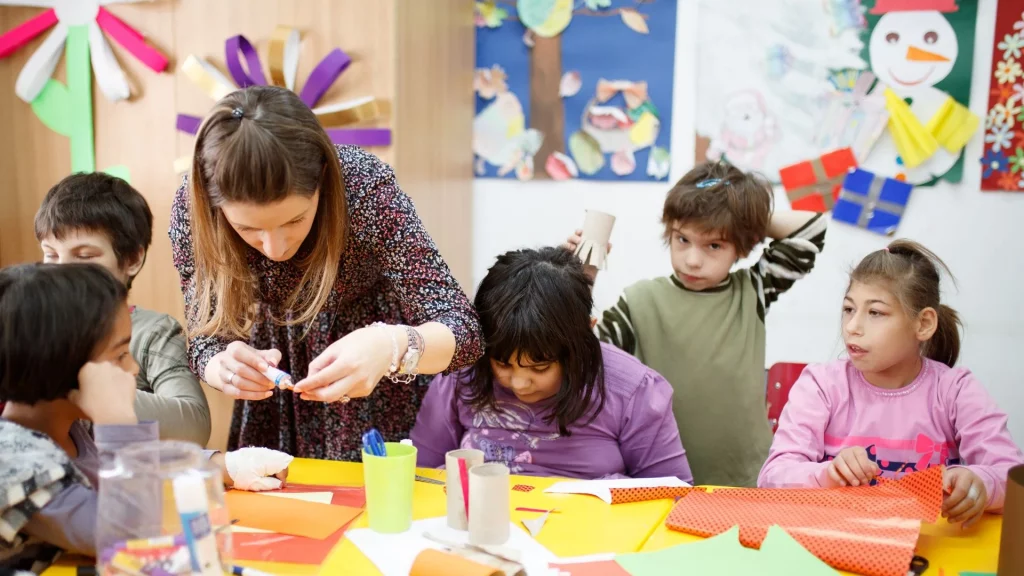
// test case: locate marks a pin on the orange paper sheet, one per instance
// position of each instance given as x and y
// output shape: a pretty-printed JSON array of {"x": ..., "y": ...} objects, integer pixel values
[
  {"x": 866, "y": 530},
  {"x": 287, "y": 516},
  {"x": 432, "y": 562},
  {"x": 627, "y": 495}
]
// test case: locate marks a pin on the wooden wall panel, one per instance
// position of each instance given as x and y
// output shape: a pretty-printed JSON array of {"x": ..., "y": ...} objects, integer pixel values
[{"x": 413, "y": 54}]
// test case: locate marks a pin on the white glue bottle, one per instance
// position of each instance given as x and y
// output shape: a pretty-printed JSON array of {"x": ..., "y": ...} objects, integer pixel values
[{"x": 194, "y": 510}]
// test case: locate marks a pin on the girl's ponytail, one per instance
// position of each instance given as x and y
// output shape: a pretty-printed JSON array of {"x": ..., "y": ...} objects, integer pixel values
[{"x": 945, "y": 343}]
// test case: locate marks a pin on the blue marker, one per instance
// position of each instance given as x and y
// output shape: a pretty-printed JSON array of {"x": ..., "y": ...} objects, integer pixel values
[
  {"x": 280, "y": 378},
  {"x": 373, "y": 443}
]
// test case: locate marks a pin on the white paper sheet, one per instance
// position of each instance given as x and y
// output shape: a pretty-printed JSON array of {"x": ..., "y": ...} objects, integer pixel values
[
  {"x": 394, "y": 554},
  {"x": 602, "y": 488}
]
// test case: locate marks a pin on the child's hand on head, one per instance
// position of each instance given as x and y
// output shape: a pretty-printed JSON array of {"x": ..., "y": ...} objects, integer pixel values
[
  {"x": 852, "y": 467},
  {"x": 965, "y": 496},
  {"x": 106, "y": 394}
]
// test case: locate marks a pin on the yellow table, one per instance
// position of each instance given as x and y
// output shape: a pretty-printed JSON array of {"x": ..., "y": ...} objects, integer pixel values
[
  {"x": 945, "y": 546},
  {"x": 584, "y": 524}
]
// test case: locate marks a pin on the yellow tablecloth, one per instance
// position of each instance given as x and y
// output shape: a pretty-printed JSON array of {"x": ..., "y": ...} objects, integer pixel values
[{"x": 586, "y": 525}]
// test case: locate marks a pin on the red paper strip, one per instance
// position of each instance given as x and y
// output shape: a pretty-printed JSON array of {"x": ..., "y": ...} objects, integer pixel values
[
  {"x": 23, "y": 33},
  {"x": 598, "y": 568},
  {"x": 132, "y": 40},
  {"x": 293, "y": 549},
  {"x": 464, "y": 482},
  {"x": 1002, "y": 161},
  {"x": 866, "y": 530}
]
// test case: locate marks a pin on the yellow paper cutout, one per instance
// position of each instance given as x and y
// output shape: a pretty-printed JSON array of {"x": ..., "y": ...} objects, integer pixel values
[
  {"x": 913, "y": 141},
  {"x": 953, "y": 125},
  {"x": 642, "y": 132}
]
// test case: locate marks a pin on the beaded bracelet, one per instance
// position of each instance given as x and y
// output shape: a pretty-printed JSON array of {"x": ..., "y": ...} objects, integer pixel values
[{"x": 392, "y": 373}]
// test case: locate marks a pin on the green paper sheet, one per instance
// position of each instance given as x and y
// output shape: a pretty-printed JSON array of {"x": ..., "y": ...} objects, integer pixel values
[
  {"x": 52, "y": 108},
  {"x": 722, "y": 554},
  {"x": 79, "y": 77},
  {"x": 119, "y": 171},
  {"x": 781, "y": 555}
]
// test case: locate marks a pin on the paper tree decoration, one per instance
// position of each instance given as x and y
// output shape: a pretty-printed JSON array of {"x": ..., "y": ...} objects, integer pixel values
[
  {"x": 78, "y": 27},
  {"x": 284, "y": 63}
]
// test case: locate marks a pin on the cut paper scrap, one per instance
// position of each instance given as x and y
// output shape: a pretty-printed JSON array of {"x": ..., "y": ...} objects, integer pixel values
[
  {"x": 288, "y": 516},
  {"x": 814, "y": 185},
  {"x": 534, "y": 525},
  {"x": 62, "y": 16},
  {"x": 627, "y": 495},
  {"x": 872, "y": 202},
  {"x": 432, "y": 562},
  {"x": 866, "y": 530},
  {"x": 913, "y": 141},
  {"x": 721, "y": 554},
  {"x": 396, "y": 553},
  {"x": 246, "y": 69},
  {"x": 546, "y": 18},
  {"x": 781, "y": 555},
  {"x": 586, "y": 152},
  {"x": 602, "y": 488},
  {"x": 570, "y": 84},
  {"x": 607, "y": 567},
  {"x": 260, "y": 546},
  {"x": 658, "y": 163}
]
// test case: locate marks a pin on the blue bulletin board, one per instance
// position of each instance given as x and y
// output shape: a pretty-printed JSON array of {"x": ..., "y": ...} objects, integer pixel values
[{"x": 574, "y": 89}]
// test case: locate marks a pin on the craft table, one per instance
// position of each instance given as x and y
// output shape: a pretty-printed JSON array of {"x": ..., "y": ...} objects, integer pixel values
[
  {"x": 945, "y": 545},
  {"x": 584, "y": 524}
]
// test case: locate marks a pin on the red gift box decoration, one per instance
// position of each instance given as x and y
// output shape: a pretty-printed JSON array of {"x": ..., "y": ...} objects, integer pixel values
[{"x": 814, "y": 185}]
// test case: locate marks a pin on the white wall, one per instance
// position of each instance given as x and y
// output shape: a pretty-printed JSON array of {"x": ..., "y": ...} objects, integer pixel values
[{"x": 970, "y": 230}]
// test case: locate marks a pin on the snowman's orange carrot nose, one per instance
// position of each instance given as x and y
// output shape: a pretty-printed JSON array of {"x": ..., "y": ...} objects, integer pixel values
[{"x": 915, "y": 54}]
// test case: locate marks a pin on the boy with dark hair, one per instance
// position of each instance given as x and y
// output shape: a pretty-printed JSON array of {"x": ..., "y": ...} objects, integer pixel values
[
  {"x": 703, "y": 327},
  {"x": 101, "y": 219}
]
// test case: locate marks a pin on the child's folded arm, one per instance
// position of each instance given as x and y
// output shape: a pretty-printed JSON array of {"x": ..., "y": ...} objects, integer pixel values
[
  {"x": 616, "y": 327},
  {"x": 789, "y": 258},
  {"x": 68, "y": 521},
  {"x": 797, "y": 451},
  {"x": 649, "y": 442},
  {"x": 983, "y": 440},
  {"x": 437, "y": 428}
]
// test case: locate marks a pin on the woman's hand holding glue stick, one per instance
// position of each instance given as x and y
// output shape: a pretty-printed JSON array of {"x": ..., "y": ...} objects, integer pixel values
[{"x": 280, "y": 378}]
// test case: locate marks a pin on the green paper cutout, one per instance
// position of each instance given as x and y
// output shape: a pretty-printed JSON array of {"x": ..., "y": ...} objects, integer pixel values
[
  {"x": 781, "y": 555},
  {"x": 119, "y": 171},
  {"x": 722, "y": 554},
  {"x": 79, "y": 76},
  {"x": 51, "y": 107}
]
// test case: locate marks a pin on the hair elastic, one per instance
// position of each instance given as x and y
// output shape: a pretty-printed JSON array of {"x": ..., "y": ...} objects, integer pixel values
[
  {"x": 887, "y": 249},
  {"x": 708, "y": 182},
  {"x": 237, "y": 113}
]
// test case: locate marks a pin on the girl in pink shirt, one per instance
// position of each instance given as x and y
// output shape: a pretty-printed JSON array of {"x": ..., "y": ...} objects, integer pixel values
[{"x": 897, "y": 404}]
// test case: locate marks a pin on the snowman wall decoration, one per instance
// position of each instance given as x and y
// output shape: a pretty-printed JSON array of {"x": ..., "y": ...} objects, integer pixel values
[{"x": 916, "y": 51}]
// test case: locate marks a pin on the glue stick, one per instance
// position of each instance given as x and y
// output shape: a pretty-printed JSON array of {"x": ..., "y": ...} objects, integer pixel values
[
  {"x": 280, "y": 378},
  {"x": 194, "y": 510}
]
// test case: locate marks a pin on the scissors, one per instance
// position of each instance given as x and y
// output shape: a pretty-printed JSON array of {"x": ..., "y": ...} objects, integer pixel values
[{"x": 373, "y": 443}]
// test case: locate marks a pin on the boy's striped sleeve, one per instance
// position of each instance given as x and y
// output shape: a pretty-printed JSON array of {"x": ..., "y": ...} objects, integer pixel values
[
  {"x": 616, "y": 328},
  {"x": 787, "y": 260}
]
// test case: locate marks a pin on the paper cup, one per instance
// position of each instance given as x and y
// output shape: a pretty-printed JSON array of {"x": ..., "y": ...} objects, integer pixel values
[
  {"x": 597, "y": 231},
  {"x": 453, "y": 484},
  {"x": 388, "y": 482},
  {"x": 489, "y": 513},
  {"x": 1011, "y": 551}
]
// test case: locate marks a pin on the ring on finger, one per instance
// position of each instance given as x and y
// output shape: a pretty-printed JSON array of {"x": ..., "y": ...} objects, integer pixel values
[
  {"x": 344, "y": 400},
  {"x": 231, "y": 379}
]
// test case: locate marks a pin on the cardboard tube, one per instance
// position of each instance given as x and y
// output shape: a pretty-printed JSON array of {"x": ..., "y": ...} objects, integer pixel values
[
  {"x": 453, "y": 485},
  {"x": 432, "y": 562},
  {"x": 489, "y": 512},
  {"x": 1011, "y": 553},
  {"x": 597, "y": 230}
]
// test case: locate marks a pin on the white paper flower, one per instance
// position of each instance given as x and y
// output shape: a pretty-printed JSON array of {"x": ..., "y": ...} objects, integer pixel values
[
  {"x": 999, "y": 137},
  {"x": 1011, "y": 45},
  {"x": 61, "y": 15},
  {"x": 1007, "y": 71}
]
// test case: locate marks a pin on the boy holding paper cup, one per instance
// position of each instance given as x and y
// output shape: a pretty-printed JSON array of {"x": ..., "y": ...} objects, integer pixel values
[{"x": 703, "y": 326}]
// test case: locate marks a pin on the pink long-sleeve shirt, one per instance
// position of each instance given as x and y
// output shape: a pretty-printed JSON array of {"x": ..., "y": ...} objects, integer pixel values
[{"x": 943, "y": 417}]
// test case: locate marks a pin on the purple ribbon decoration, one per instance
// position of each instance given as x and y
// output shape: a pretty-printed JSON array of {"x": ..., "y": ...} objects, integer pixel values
[
  {"x": 232, "y": 48},
  {"x": 319, "y": 81}
]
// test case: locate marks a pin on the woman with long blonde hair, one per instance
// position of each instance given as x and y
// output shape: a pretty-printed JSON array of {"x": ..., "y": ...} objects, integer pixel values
[{"x": 299, "y": 255}]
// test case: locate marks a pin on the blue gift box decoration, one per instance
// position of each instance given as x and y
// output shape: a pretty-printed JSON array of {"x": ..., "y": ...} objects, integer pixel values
[{"x": 875, "y": 203}]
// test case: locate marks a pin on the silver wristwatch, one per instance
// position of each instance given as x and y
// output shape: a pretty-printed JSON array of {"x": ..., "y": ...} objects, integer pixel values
[{"x": 413, "y": 353}]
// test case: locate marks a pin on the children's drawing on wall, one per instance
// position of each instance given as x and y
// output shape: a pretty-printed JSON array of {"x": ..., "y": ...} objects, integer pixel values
[
  {"x": 923, "y": 51},
  {"x": 1002, "y": 161},
  {"x": 763, "y": 73},
  {"x": 574, "y": 89}
]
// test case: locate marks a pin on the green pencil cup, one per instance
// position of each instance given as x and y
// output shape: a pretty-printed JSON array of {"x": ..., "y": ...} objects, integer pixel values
[{"x": 389, "y": 482}]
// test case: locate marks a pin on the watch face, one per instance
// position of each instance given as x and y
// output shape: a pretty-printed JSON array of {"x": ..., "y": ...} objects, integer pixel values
[{"x": 410, "y": 361}]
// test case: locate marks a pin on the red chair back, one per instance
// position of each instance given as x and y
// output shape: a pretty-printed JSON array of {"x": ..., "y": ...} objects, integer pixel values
[{"x": 781, "y": 378}]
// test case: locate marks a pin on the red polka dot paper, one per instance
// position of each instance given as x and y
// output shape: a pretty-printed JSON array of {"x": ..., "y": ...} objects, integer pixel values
[
  {"x": 627, "y": 495},
  {"x": 866, "y": 530},
  {"x": 522, "y": 488}
]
